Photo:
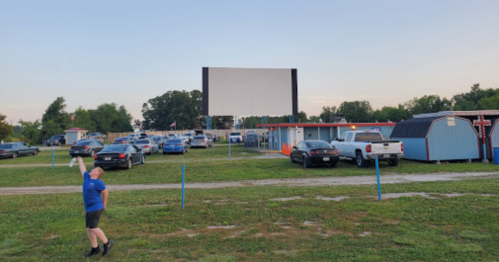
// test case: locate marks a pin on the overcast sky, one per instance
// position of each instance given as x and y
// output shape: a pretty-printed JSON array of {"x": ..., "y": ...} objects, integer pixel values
[{"x": 126, "y": 52}]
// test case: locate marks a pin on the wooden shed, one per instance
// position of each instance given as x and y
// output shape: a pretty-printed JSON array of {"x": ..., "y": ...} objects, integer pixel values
[
  {"x": 438, "y": 138},
  {"x": 74, "y": 134}
]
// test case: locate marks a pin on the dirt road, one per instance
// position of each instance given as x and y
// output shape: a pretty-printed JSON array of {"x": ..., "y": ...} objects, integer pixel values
[{"x": 320, "y": 181}]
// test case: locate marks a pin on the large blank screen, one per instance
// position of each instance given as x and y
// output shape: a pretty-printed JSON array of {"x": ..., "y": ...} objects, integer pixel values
[{"x": 249, "y": 91}]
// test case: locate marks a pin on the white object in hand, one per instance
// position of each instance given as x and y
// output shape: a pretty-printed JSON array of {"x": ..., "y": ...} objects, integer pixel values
[{"x": 72, "y": 162}]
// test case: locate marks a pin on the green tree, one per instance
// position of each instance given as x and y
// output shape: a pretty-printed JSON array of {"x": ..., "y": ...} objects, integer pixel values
[
  {"x": 356, "y": 111},
  {"x": 82, "y": 119},
  {"x": 222, "y": 122},
  {"x": 471, "y": 100},
  {"x": 388, "y": 113},
  {"x": 5, "y": 128},
  {"x": 31, "y": 131},
  {"x": 327, "y": 113},
  {"x": 110, "y": 118},
  {"x": 55, "y": 120},
  {"x": 490, "y": 103},
  {"x": 428, "y": 104}
]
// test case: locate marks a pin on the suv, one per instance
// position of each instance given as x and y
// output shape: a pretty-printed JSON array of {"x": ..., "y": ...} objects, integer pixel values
[
  {"x": 57, "y": 140},
  {"x": 236, "y": 137}
]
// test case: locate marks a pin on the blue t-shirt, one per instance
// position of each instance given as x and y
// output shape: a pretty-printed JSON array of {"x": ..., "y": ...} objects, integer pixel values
[{"x": 92, "y": 189}]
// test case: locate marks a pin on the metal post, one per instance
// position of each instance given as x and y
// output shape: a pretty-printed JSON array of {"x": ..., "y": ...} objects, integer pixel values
[
  {"x": 53, "y": 159},
  {"x": 229, "y": 151},
  {"x": 183, "y": 187},
  {"x": 377, "y": 175},
  {"x": 140, "y": 162}
]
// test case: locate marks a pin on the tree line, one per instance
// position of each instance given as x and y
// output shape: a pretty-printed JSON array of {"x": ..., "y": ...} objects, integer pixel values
[{"x": 183, "y": 110}]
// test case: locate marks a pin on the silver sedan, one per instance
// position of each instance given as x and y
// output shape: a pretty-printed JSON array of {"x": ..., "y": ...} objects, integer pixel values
[
  {"x": 148, "y": 146},
  {"x": 201, "y": 141}
]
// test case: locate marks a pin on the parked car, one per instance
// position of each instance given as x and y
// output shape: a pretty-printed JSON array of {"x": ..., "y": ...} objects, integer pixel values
[
  {"x": 366, "y": 145},
  {"x": 201, "y": 141},
  {"x": 124, "y": 156},
  {"x": 175, "y": 146},
  {"x": 252, "y": 140},
  {"x": 57, "y": 140},
  {"x": 148, "y": 146},
  {"x": 236, "y": 137},
  {"x": 173, "y": 136},
  {"x": 124, "y": 140},
  {"x": 96, "y": 136},
  {"x": 186, "y": 139},
  {"x": 16, "y": 149},
  {"x": 160, "y": 140},
  {"x": 86, "y": 147},
  {"x": 318, "y": 152}
]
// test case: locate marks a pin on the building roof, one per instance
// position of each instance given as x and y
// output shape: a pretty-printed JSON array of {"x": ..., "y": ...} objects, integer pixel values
[
  {"x": 413, "y": 128},
  {"x": 460, "y": 113},
  {"x": 76, "y": 129},
  {"x": 325, "y": 124}
]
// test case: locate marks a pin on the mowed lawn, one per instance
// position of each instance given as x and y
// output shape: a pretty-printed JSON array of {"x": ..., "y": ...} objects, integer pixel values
[
  {"x": 263, "y": 224},
  {"x": 203, "y": 165}
]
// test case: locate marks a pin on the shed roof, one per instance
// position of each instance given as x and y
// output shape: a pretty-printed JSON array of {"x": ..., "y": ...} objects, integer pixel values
[
  {"x": 76, "y": 129},
  {"x": 414, "y": 128},
  {"x": 460, "y": 113}
]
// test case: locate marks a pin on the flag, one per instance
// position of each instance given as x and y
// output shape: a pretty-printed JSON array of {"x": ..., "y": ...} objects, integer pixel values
[
  {"x": 73, "y": 117},
  {"x": 173, "y": 124},
  {"x": 140, "y": 125}
]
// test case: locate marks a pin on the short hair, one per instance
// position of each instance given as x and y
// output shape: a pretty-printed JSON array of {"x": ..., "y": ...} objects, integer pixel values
[{"x": 101, "y": 172}]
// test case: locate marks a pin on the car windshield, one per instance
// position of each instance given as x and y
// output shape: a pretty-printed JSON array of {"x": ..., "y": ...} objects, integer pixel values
[
  {"x": 83, "y": 143},
  {"x": 142, "y": 141},
  {"x": 92, "y": 134},
  {"x": 235, "y": 134},
  {"x": 171, "y": 135},
  {"x": 174, "y": 141},
  {"x": 114, "y": 148},
  {"x": 315, "y": 144},
  {"x": 5, "y": 146},
  {"x": 199, "y": 137},
  {"x": 55, "y": 137}
]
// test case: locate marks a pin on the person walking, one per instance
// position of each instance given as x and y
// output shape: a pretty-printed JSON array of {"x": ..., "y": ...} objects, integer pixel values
[{"x": 93, "y": 187}]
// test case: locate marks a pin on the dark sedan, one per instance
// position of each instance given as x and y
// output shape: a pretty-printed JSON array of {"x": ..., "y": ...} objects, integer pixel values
[
  {"x": 86, "y": 147},
  {"x": 124, "y": 140},
  {"x": 123, "y": 156},
  {"x": 17, "y": 149},
  {"x": 314, "y": 152},
  {"x": 57, "y": 140}
]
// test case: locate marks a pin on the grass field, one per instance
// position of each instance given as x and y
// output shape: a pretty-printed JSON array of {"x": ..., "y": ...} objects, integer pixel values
[{"x": 253, "y": 223}]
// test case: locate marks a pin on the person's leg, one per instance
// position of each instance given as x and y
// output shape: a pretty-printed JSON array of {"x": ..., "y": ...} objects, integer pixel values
[
  {"x": 93, "y": 239},
  {"x": 97, "y": 232}
]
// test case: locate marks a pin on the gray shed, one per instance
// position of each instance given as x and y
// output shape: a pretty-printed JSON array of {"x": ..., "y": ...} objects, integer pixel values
[{"x": 438, "y": 138}]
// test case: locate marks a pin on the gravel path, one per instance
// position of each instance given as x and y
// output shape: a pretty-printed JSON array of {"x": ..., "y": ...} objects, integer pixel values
[{"x": 320, "y": 181}]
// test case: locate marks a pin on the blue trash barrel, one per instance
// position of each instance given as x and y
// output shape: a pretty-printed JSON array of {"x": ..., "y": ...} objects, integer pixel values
[{"x": 496, "y": 155}]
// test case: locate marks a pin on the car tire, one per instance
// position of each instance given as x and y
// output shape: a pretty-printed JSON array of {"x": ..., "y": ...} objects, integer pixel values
[
  {"x": 393, "y": 162},
  {"x": 129, "y": 164},
  {"x": 305, "y": 162},
  {"x": 359, "y": 160},
  {"x": 164, "y": 153},
  {"x": 143, "y": 160},
  {"x": 92, "y": 153},
  {"x": 35, "y": 152},
  {"x": 183, "y": 151},
  {"x": 334, "y": 165},
  {"x": 14, "y": 155},
  {"x": 292, "y": 160}
]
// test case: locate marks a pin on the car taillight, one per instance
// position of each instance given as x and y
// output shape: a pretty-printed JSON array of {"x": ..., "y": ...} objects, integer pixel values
[
  {"x": 86, "y": 147},
  {"x": 204, "y": 141},
  {"x": 312, "y": 152},
  {"x": 121, "y": 155},
  {"x": 123, "y": 141},
  {"x": 74, "y": 144},
  {"x": 334, "y": 152},
  {"x": 3, "y": 151},
  {"x": 146, "y": 146},
  {"x": 368, "y": 148},
  {"x": 95, "y": 157},
  {"x": 401, "y": 147}
]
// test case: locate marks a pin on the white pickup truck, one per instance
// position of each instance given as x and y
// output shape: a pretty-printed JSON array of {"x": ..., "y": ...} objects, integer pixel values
[{"x": 366, "y": 145}]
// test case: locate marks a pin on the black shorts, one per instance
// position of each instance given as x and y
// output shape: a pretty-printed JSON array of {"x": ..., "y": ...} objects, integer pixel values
[{"x": 92, "y": 218}]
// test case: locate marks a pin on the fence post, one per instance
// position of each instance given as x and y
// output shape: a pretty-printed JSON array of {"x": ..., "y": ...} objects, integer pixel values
[
  {"x": 377, "y": 175},
  {"x": 183, "y": 187}
]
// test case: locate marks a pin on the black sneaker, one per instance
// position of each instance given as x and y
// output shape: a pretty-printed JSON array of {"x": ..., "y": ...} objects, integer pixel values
[
  {"x": 94, "y": 251},
  {"x": 107, "y": 247}
]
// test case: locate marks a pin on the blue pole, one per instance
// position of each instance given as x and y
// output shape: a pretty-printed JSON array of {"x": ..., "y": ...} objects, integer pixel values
[
  {"x": 213, "y": 144},
  {"x": 183, "y": 183},
  {"x": 377, "y": 174},
  {"x": 140, "y": 162},
  {"x": 52, "y": 159},
  {"x": 229, "y": 151}
]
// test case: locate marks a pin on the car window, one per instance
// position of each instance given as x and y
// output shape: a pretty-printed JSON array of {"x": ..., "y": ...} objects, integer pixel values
[
  {"x": 235, "y": 133},
  {"x": 142, "y": 142},
  {"x": 349, "y": 137},
  {"x": 114, "y": 148},
  {"x": 299, "y": 145},
  {"x": 316, "y": 144},
  {"x": 5, "y": 146},
  {"x": 83, "y": 143},
  {"x": 368, "y": 137}
]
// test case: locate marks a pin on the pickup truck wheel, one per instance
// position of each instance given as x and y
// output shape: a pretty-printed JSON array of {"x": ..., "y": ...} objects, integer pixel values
[
  {"x": 361, "y": 162},
  {"x": 14, "y": 155},
  {"x": 292, "y": 160},
  {"x": 393, "y": 162},
  {"x": 92, "y": 153},
  {"x": 143, "y": 160},
  {"x": 305, "y": 163}
]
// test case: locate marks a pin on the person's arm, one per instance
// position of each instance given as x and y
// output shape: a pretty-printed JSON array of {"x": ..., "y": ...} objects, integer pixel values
[
  {"x": 104, "y": 197},
  {"x": 83, "y": 169}
]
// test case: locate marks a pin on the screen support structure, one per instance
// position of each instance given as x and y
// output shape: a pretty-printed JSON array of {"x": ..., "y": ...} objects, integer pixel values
[
  {"x": 291, "y": 119},
  {"x": 208, "y": 122}
]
